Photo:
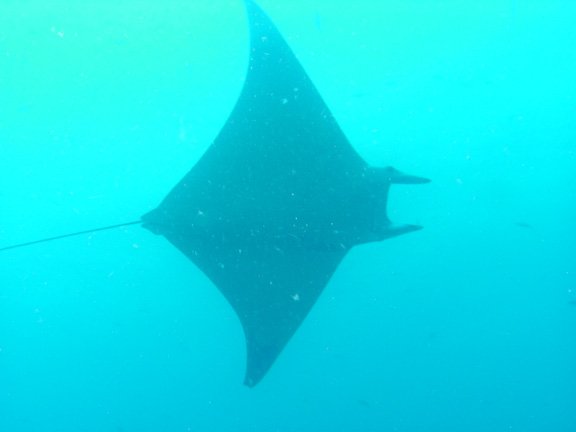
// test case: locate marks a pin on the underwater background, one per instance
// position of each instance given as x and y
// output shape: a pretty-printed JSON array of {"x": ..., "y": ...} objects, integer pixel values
[{"x": 467, "y": 325}]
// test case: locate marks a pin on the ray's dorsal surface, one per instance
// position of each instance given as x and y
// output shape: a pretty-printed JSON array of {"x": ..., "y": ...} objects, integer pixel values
[{"x": 276, "y": 201}]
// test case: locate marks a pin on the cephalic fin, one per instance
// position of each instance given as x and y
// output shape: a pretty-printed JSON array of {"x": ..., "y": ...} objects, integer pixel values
[{"x": 398, "y": 177}]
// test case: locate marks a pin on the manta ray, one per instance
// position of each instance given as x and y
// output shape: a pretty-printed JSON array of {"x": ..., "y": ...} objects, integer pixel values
[{"x": 277, "y": 201}]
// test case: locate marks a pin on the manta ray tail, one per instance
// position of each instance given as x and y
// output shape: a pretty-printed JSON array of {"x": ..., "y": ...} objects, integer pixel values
[{"x": 69, "y": 235}]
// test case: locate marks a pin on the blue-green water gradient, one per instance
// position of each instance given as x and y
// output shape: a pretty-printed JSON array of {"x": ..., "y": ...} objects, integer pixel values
[{"x": 468, "y": 325}]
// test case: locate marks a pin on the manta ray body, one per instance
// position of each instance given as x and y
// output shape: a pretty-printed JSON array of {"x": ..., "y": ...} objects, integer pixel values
[{"x": 276, "y": 201}]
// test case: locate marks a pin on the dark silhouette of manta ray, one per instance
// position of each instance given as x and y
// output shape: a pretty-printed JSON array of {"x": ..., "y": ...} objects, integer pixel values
[{"x": 277, "y": 200}]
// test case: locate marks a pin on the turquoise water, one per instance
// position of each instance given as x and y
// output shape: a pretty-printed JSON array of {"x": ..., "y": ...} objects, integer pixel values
[{"x": 467, "y": 325}]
